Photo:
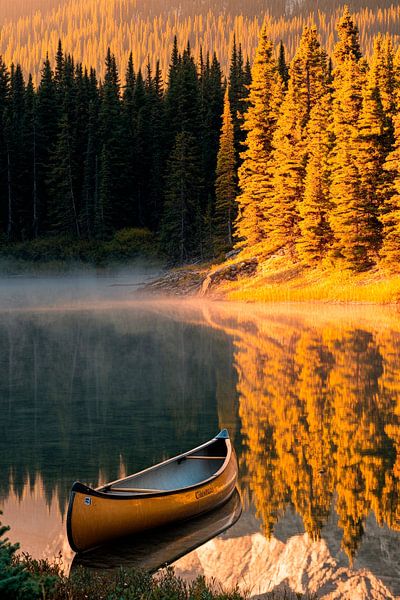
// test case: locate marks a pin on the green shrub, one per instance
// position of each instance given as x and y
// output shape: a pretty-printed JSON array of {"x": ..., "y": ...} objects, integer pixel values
[
  {"x": 24, "y": 578},
  {"x": 126, "y": 244},
  {"x": 17, "y": 582}
]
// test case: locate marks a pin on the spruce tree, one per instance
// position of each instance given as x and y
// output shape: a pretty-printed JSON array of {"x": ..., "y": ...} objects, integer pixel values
[
  {"x": 349, "y": 217},
  {"x": 348, "y": 45},
  {"x": 212, "y": 105},
  {"x": 14, "y": 116},
  {"x": 90, "y": 187},
  {"x": 308, "y": 83},
  {"x": 112, "y": 154},
  {"x": 103, "y": 210},
  {"x": 390, "y": 210},
  {"x": 46, "y": 131},
  {"x": 4, "y": 102},
  {"x": 238, "y": 94},
  {"x": 370, "y": 149},
  {"x": 63, "y": 206},
  {"x": 181, "y": 227},
  {"x": 225, "y": 186},
  {"x": 259, "y": 124},
  {"x": 157, "y": 150},
  {"x": 15, "y": 580},
  {"x": 282, "y": 65},
  {"x": 315, "y": 232}
]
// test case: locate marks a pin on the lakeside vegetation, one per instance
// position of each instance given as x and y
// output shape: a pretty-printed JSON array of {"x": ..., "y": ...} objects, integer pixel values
[
  {"x": 125, "y": 245},
  {"x": 23, "y": 578}
]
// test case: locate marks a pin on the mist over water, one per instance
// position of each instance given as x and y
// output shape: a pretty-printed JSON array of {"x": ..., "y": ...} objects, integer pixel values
[{"x": 46, "y": 289}]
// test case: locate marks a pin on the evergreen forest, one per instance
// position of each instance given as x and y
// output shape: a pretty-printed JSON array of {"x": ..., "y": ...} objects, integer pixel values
[{"x": 299, "y": 156}]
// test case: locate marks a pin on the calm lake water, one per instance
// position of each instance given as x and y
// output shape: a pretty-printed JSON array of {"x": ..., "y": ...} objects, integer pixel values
[{"x": 95, "y": 384}]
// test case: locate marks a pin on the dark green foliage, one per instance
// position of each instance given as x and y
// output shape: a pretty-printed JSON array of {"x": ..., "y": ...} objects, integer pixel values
[
  {"x": 125, "y": 244},
  {"x": 82, "y": 159},
  {"x": 16, "y": 581},
  {"x": 282, "y": 65},
  {"x": 41, "y": 580},
  {"x": 181, "y": 231},
  {"x": 239, "y": 80}
]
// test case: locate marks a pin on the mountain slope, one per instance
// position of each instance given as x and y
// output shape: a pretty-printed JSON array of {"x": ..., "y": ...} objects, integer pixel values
[{"x": 88, "y": 27}]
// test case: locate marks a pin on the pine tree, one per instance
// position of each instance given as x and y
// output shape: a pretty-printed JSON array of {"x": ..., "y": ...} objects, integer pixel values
[
  {"x": 16, "y": 175},
  {"x": 238, "y": 94},
  {"x": 349, "y": 217},
  {"x": 15, "y": 581},
  {"x": 63, "y": 208},
  {"x": 390, "y": 211},
  {"x": 46, "y": 131},
  {"x": 212, "y": 104},
  {"x": 181, "y": 227},
  {"x": 112, "y": 154},
  {"x": 28, "y": 217},
  {"x": 225, "y": 187},
  {"x": 282, "y": 65},
  {"x": 348, "y": 45},
  {"x": 4, "y": 101},
  {"x": 59, "y": 70},
  {"x": 260, "y": 122},
  {"x": 315, "y": 232},
  {"x": 157, "y": 150},
  {"x": 172, "y": 95},
  {"x": 90, "y": 192},
  {"x": 370, "y": 146},
  {"x": 103, "y": 222},
  {"x": 384, "y": 56},
  {"x": 308, "y": 83}
]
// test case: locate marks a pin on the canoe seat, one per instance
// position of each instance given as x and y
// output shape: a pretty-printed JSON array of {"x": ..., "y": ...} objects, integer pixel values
[
  {"x": 206, "y": 457},
  {"x": 139, "y": 490}
]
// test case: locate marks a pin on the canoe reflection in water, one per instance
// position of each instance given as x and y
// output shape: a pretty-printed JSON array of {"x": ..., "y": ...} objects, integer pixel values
[{"x": 161, "y": 547}]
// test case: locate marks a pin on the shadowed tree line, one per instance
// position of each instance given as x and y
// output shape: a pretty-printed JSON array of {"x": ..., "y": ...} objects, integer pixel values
[{"x": 84, "y": 159}]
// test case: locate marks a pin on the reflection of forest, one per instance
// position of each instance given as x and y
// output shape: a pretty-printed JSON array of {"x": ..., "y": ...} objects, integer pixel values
[
  {"x": 84, "y": 395},
  {"x": 320, "y": 413},
  {"x": 314, "y": 408}
]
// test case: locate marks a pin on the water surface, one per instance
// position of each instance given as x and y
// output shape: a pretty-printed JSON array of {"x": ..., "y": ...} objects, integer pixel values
[{"x": 95, "y": 384}]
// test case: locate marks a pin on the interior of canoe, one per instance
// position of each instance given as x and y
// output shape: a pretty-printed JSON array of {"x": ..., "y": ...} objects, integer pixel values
[{"x": 180, "y": 473}]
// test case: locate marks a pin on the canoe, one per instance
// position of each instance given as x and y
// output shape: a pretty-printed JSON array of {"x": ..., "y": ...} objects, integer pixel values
[
  {"x": 158, "y": 548},
  {"x": 177, "y": 489}
]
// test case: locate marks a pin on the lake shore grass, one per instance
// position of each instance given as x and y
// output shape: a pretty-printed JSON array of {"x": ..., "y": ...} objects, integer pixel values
[
  {"x": 279, "y": 279},
  {"x": 31, "y": 579}
]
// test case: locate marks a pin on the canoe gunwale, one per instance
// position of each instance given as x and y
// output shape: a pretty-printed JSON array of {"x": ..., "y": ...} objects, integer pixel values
[{"x": 97, "y": 492}]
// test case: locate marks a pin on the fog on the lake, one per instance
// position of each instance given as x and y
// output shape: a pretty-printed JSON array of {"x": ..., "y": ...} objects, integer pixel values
[{"x": 46, "y": 288}]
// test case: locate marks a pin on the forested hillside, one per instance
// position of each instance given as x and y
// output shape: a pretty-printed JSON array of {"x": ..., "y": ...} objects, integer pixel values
[
  {"x": 300, "y": 157},
  {"x": 89, "y": 27}
]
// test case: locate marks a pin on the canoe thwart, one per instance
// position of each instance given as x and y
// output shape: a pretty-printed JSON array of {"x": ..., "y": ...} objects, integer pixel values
[
  {"x": 206, "y": 457},
  {"x": 139, "y": 490}
]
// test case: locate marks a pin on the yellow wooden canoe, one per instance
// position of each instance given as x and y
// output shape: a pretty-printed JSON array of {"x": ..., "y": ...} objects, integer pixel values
[
  {"x": 152, "y": 550},
  {"x": 177, "y": 489}
]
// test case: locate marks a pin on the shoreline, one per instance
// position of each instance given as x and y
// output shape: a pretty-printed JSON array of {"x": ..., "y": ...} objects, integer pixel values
[{"x": 249, "y": 280}]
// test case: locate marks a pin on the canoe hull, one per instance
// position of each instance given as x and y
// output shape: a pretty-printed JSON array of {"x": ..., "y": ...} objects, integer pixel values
[{"x": 95, "y": 518}]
